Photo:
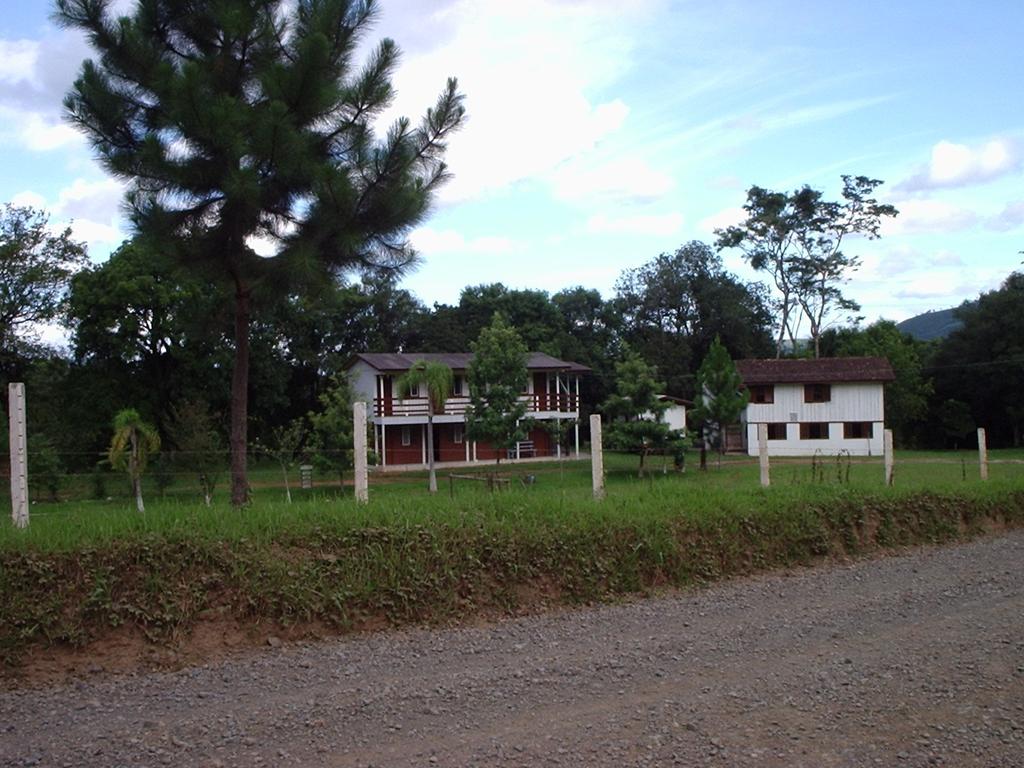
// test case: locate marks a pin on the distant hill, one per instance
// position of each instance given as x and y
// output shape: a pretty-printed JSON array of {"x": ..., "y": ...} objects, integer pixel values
[{"x": 937, "y": 324}]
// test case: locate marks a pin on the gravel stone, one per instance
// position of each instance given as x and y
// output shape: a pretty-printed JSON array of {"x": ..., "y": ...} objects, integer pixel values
[{"x": 910, "y": 660}]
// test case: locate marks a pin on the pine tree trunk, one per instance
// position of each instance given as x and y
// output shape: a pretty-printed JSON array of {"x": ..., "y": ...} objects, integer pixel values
[{"x": 240, "y": 399}]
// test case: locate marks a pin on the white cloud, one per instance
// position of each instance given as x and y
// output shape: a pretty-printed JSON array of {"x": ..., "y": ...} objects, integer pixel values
[
  {"x": 528, "y": 70},
  {"x": 727, "y": 217},
  {"x": 640, "y": 224},
  {"x": 90, "y": 208},
  {"x": 627, "y": 179},
  {"x": 95, "y": 233},
  {"x": 18, "y": 60},
  {"x": 433, "y": 241},
  {"x": 958, "y": 165},
  {"x": 29, "y": 199},
  {"x": 904, "y": 260},
  {"x": 98, "y": 200},
  {"x": 1011, "y": 217},
  {"x": 924, "y": 216},
  {"x": 34, "y": 77},
  {"x": 951, "y": 285}
]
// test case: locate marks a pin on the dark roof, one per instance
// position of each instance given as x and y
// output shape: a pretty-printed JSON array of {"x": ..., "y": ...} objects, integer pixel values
[
  {"x": 457, "y": 361},
  {"x": 676, "y": 400},
  {"x": 822, "y": 371}
]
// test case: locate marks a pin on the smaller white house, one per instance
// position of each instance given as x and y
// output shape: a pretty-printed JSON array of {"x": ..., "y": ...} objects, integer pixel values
[
  {"x": 824, "y": 406},
  {"x": 675, "y": 414}
]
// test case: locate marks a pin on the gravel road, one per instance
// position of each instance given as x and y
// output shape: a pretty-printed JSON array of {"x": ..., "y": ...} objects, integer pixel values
[{"x": 911, "y": 660}]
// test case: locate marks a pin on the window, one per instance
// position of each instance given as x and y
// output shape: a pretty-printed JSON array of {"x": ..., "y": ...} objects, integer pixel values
[
  {"x": 817, "y": 393},
  {"x": 414, "y": 390},
  {"x": 814, "y": 430},
  {"x": 457, "y": 386},
  {"x": 457, "y": 433},
  {"x": 777, "y": 431},
  {"x": 858, "y": 430},
  {"x": 406, "y": 435},
  {"x": 762, "y": 394}
]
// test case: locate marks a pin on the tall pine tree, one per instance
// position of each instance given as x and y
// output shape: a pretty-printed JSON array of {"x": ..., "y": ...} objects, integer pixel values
[
  {"x": 244, "y": 131},
  {"x": 721, "y": 396},
  {"x": 497, "y": 378}
]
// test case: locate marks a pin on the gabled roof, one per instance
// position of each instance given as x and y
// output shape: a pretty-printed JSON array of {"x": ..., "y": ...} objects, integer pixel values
[
  {"x": 827, "y": 370},
  {"x": 457, "y": 361}
]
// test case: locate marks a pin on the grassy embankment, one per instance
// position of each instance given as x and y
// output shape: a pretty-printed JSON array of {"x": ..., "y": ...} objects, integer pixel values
[{"x": 83, "y": 569}]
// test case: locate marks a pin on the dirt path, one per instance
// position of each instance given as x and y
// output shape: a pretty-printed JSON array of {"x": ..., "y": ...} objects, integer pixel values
[{"x": 913, "y": 660}]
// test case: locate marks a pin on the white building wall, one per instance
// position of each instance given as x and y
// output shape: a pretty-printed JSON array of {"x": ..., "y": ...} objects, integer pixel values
[
  {"x": 675, "y": 417},
  {"x": 850, "y": 402},
  {"x": 363, "y": 379}
]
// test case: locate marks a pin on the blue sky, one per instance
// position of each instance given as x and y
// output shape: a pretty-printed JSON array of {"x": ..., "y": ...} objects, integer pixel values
[{"x": 603, "y": 133}]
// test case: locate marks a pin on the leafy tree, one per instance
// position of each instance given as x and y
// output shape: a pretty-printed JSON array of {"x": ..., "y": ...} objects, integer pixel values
[
  {"x": 154, "y": 331},
  {"x": 241, "y": 125},
  {"x": 193, "y": 431},
  {"x": 35, "y": 266},
  {"x": 906, "y": 398},
  {"x": 434, "y": 381},
  {"x": 982, "y": 363},
  {"x": 133, "y": 442},
  {"x": 797, "y": 238},
  {"x": 675, "y": 305},
  {"x": 530, "y": 312},
  {"x": 497, "y": 377},
  {"x": 310, "y": 337},
  {"x": 636, "y": 414},
  {"x": 956, "y": 420},
  {"x": 331, "y": 429},
  {"x": 721, "y": 397},
  {"x": 589, "y": 334}
]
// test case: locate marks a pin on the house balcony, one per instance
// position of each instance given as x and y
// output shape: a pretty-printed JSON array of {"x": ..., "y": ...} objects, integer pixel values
[{"x": 416, "y": 407}]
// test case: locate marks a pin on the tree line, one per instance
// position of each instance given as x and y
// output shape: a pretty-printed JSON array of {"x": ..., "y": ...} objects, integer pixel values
[{"x": 146, "y": 333}]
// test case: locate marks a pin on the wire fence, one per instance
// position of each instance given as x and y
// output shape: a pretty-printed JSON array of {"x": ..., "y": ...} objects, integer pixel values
[{"x": 55, "y": 477}]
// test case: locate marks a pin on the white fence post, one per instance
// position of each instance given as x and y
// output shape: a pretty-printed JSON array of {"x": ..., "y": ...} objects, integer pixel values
[
  {"x": 889, "y": 459},
  {"x": 19, "y": 453},
  {"x": 362, "y": 480},
  {"x": 762, "y": 452},
  {"x": 596, "y": 457},
  {"x": 982, "y": 453}
]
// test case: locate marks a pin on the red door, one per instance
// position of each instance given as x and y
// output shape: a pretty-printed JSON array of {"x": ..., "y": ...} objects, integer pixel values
[
  {"x": 388, "y": 405},
  {"x": 540, "y": 391}
]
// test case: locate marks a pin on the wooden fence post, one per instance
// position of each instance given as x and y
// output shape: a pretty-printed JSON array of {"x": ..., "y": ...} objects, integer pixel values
[
  {"x": 889, "y": 459},
  {"x": 982, "y": 453},
  {"x": 19, "y": 453},
  {"x": 596, "y": 457},
  {"x": 362, "y": 480},
  {"x": 762, "y": 452}
]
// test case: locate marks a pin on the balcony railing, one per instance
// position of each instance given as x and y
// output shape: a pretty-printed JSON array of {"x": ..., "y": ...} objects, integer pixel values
[{"x": 456, "y": 406}]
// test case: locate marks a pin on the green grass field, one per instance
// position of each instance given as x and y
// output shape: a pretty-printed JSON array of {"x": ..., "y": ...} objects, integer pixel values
[
  {"x": 730, "y": 484},
  {"x": 85, "y": 568}
]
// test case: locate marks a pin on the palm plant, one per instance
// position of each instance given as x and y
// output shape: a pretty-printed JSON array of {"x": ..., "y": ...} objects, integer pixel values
[
  {"x": 435, "y": 381},
  {"x": 133, "y": 442}
]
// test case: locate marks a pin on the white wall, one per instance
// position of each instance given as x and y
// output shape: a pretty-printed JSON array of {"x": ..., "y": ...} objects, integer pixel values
[
  {"x": 850, "y": 402},
  {"x": 675, "y": 417},
  {"x": 363, "y": 379}
]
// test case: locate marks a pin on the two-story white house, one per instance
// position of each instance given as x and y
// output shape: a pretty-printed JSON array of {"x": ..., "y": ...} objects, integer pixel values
[
  {"x": 400, "y": 424},
  {"x": 823, "y": 406}
]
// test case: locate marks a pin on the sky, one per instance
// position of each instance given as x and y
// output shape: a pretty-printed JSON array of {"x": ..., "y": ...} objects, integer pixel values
[{"x": 602, "y": 133}]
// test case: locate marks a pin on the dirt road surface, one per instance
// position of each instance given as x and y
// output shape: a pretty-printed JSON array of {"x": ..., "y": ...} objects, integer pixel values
[{"x": 910, "y": 660}]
